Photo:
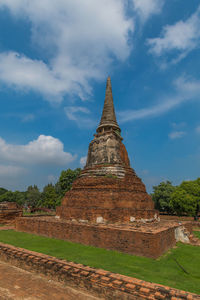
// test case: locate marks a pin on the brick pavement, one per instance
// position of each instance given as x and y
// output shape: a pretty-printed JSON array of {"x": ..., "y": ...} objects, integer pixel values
[{"x": 18, "y": 284}]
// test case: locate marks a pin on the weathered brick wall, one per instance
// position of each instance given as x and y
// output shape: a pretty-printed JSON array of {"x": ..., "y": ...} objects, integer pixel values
[
  {"x": 187, "y": 221},
  {"x": 147, "y": 241},
  {"x": 9, "y": 216},
  {"x": 98, "y": 282},
  {"x": 176, "y": 218},
  {"x": 113, "y": 199},
  {"x": 8, "y": 212}
]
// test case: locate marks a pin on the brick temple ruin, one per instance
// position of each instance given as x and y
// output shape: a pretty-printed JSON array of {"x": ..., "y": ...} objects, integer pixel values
[
  {"x": 9, "y": 211},
  {"x": 108, "y": 189},
  {"x": 108, "y": 205}
]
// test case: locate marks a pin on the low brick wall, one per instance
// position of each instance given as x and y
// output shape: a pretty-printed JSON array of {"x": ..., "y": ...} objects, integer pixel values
[
  {"x": 9, "y": 211},
  {"x": 98, "y": 282},
  {"x": 146, "y": 241},
  {"x": 188, "y": 222},
  {"x": 177, "y": 218},
  {"x": 9, "y": 215}
]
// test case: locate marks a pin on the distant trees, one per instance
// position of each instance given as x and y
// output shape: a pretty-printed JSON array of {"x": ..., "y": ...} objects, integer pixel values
[
  {"x": 50, "y": 197},
  {"x": 33, "y": 196},
  {"x": 180, "y": 200},
  {"x": 66, "y": 179},
  {"x": 3, "y": 191},
  {"x": 161, "y": 196},
  {"x": 18, "y": 197}
]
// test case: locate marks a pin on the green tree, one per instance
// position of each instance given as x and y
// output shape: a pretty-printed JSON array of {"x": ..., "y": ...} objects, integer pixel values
[
  {"x": 49, "y": 197},
  {"x": 161, "y": 196},
  {"x": 183, "y": 202},
  {"x": 190, "y": 194},
  {"x": 33, "y": 196},
  {"x": 20, "y": 198},
  {"x": 65, "y": 181},
  {"x": 8, "y": 196},
  {"x": 3, "y": 191}
]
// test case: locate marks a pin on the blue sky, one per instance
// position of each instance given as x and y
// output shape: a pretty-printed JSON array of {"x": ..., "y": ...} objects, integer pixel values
[{"x": 55, "y": 57}]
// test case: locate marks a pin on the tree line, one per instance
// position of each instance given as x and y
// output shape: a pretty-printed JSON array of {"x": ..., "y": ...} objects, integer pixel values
[
  {"x": 183, "y": 199},
  {"x": 49, "y": 197}
]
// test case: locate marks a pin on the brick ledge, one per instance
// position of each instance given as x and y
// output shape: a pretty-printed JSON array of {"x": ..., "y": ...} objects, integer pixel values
[{"x": 96, "y": 281}]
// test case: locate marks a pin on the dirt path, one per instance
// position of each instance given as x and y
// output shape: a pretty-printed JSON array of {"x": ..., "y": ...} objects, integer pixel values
[{"x": 17, "y": 284}]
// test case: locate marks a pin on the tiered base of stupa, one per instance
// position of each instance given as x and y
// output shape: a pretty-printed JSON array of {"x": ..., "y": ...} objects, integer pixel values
[{"x": 119, "y": 196}]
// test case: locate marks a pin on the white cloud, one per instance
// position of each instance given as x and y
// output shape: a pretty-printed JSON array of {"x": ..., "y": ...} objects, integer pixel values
[
  {"x": 23, "y": 165},
  {"x": 72, "y": 46},
  {"x": 187, "y": 89},
  {"x": 83, "y": 161},
  {"x": 79, "y": 114},
  {"x": 27, "y": 74},
  {"x": 72, "y": 110},
  {"x": 45, "y": 150},
  {"x": 183, "y": 37},
  {"x": 188, "y": 86},
  {"x": 146, "y": 8},
  {"x": 166, "y": 105},
  {"x": 176, "y": 134},
  {"x": 11, "y": 171}
]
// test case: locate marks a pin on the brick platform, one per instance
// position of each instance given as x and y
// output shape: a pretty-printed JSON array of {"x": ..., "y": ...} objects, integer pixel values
[
  {"x": 98, "y": 282},
  {"x": 150, "y": 240},
  {"x": 8, "y": 212}
]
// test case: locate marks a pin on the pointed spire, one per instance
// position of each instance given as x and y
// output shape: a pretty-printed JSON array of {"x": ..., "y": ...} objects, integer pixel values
[{"x": 108, "y": 118}]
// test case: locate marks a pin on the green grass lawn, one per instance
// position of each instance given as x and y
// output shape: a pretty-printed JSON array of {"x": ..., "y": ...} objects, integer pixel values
[{"x": 163, "y": 270}]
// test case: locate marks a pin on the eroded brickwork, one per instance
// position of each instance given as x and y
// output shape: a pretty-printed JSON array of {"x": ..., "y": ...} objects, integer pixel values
[
  {"x": 98, "y": 282},
  {"x": 147, "y": 240},
  {"x": 113, "y": 200},
  {"x": 8, "y": 212},
  {"x": 108, "y": 189}
]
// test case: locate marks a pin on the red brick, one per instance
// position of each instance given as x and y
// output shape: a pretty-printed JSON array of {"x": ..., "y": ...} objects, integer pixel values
[
  {"x": 74, "y": 270},
  {"x": 190, "y": 297},
  {"x": 85, "y": 273},
  {"x": 117, "y": 282},
  {"x": 130, "y": 286},
  {"x": 158, "y": 295},
  {"x": 144, "y": 290},
  {"x": 102, "y": 272},
  {"x": 66, "y": 268},
  {"x": 104, "y": 278}
]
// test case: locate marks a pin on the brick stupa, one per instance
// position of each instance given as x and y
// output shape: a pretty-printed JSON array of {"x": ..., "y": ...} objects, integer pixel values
[
  {"x": 108, "y": 189},
  {"x": 108, "y": 205}
]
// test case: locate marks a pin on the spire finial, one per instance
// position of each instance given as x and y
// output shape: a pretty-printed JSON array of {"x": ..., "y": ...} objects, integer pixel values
[{"x": 108, "y": 118}]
